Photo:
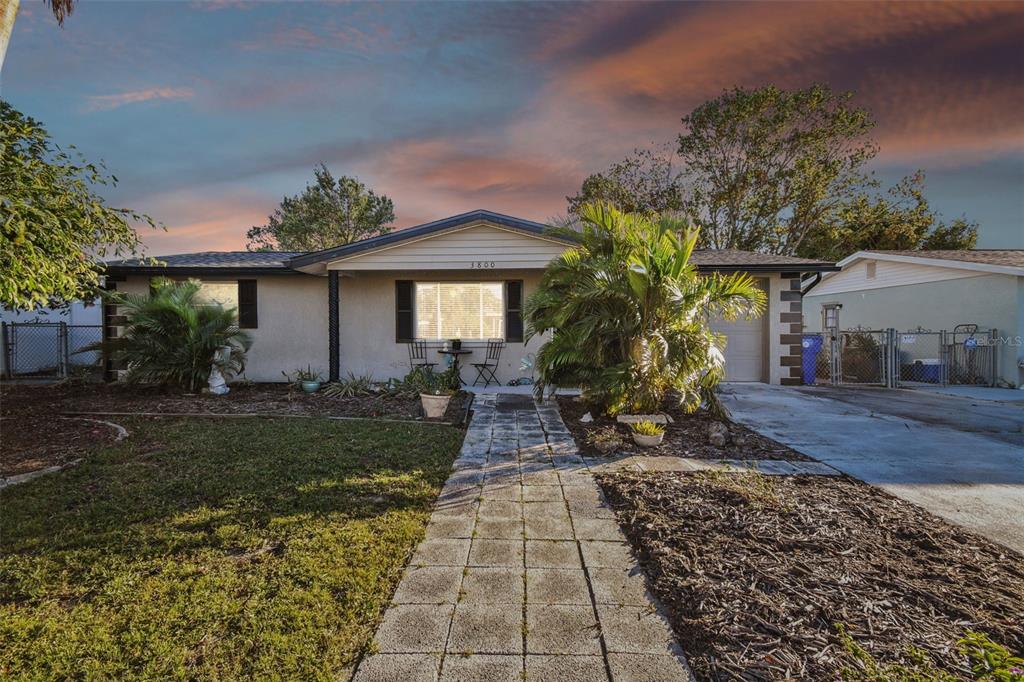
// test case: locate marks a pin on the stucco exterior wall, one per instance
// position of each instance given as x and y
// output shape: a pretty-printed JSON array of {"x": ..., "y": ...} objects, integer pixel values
[
  {"x": 990, "y": 301},
  {"x": 367, "y": 319},
  {"x": 293, "y": 324},
  {"x": 292, "y": 332}
]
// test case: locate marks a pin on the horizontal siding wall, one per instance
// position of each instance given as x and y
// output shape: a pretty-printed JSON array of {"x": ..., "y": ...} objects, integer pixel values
[
  {"x": 461, "y": 249},
  {"x": 887, "y": 274}
]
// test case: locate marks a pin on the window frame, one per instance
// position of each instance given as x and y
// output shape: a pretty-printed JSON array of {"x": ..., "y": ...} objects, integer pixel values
[{"x": 500, "y": 283}]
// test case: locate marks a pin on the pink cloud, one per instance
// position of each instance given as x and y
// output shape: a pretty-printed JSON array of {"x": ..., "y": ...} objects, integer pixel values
[{"x": 108, "y": 102}]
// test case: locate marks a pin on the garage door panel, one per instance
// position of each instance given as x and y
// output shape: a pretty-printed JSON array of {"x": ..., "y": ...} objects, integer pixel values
[{"x": 744, "y": 348}]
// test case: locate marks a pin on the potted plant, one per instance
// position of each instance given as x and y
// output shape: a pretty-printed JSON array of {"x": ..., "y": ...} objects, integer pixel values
[
  {"x": 435, "y": 394},
  {"x": 309, "y": 378},
  {"x": 647, "y": 434}
]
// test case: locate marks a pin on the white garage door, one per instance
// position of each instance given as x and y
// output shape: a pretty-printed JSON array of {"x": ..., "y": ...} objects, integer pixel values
[{"x": 744, "y": 352}]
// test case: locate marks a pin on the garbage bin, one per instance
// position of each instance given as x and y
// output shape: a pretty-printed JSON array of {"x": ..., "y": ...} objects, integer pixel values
[{"x": 809, "y": 357}]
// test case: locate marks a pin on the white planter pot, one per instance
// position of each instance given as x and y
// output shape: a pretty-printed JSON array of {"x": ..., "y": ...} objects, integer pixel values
[
  {"x": 648, "y": 441},
  {"x": 434, "y": 406}
]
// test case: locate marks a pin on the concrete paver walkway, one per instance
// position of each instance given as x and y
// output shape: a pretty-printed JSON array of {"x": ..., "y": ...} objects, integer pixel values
[{"x": 524, "y": 571}]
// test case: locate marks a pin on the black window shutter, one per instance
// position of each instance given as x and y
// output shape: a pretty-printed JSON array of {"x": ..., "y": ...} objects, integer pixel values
[
  {"x": 403, "y": 311},
  {"x": 514, "y": 310},
  {"x": 247, "y": 317}
]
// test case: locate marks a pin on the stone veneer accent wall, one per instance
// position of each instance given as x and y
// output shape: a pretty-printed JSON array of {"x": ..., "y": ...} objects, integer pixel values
[{"x": 791, "y": 322}]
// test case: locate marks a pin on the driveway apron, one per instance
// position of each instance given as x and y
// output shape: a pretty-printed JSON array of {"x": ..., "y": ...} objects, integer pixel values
[{"x": 524, "y": 572}]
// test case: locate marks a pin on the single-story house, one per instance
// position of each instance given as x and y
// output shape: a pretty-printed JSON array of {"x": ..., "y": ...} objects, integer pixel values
[
  {"x": 933, "y": 290},
  {"x": 354, "y": 308}
]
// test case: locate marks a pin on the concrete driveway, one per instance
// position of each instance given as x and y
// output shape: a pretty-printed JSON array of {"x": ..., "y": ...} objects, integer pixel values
[{"x": 959, "y": 458}]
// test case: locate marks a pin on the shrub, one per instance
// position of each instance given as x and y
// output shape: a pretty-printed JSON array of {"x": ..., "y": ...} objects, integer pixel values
[
  {"x": 351, "y": 386},
  {"x": 629, "y": 314},
  {"x": 173, "y": 338}
]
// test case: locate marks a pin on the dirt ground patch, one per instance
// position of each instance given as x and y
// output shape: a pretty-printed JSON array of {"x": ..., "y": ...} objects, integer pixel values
[
  {"x": 756, "y": 572},
  {"x": 686, "y": 437},
  {"x": 32, "y": 435}
]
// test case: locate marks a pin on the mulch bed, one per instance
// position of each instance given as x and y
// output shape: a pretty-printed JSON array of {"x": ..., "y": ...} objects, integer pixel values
[
  {"x": 756, "y": 571},
  {"x": 686, "y": 437},
  {"x": 32, "y": 436}
]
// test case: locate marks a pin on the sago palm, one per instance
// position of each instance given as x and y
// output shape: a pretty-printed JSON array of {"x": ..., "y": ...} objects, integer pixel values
[
  {"x": 173, "y": 338},
  {"x": 629, "y": 314}
]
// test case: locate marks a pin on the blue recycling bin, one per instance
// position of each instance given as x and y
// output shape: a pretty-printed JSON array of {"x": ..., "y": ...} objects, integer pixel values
[{"x": 809, "y": 357}]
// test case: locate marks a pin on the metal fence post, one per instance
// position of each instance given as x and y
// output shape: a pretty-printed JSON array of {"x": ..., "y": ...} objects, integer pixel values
[
  {"x": 5, "y": 350},
  {"x": 62, "y": 345},
  {"x": 891, "y": 378},
  {"x": 993, "y": 354}
]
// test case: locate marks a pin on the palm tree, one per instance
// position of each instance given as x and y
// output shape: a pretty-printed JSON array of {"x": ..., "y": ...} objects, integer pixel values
[
  {"x": 173, "y": 338},
  {"x": 9, "y": 10},
  {"x": 629, "y": 314}
]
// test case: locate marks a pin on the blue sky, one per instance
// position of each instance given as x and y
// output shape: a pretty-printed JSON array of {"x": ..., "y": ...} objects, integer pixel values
[{"x": 210, "y": 112}]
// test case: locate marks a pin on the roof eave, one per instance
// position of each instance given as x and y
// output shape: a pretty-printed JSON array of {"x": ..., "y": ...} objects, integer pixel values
[{"x": 222, "y": 271}]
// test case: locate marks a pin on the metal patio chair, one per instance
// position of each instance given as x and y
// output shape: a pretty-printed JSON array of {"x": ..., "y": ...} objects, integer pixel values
[
  {"x": 418, "y": 354},
  {"x": 485, "y": 370}
]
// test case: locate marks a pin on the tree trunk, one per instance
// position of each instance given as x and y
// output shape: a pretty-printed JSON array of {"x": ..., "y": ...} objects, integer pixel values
[{"x": 8, "y": 10}]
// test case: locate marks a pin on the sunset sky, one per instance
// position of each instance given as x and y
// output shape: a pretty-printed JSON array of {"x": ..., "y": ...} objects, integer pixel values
[{"x": 209, "y": 112}]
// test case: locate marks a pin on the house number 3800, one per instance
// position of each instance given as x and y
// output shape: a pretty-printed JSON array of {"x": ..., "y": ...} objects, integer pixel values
[{"x": 481, "y": 264}]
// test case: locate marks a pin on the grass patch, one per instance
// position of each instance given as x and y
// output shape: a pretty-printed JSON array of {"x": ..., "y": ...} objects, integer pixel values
[{"x": 207, "y": 549}]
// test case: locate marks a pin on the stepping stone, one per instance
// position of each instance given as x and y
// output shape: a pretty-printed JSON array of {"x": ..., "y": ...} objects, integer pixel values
[
  {"x": 450, "y": 526},
  {"x": 603, "y": 554},
  {"x": 485, "y": 552},
  {"x": 618, "y": 586},
  {"x": 406, "y": 667},
  {"x": 548, "y": 528},
  {"x": 482, "y": 668},
  {"x": 414, "y": 629},
  {"x": 429, "y": 585},
  {"x": 552, "y": 554},
  {"x": 556, "y": 586},
  {"x": 482, "y": 628},
  {"x": 561, "y": 630},
  {"x": 542, "y": 493},
  {"x": 636, "y": 630},
  {"x": 596, "y": 529},
  {"x": 441, "y": 552},
  {"x": 567, "y": 668},
  {"x": 499, "y": 529},
  {"x": 491, "y": 585},
  {"x": 646, "y": 667}
]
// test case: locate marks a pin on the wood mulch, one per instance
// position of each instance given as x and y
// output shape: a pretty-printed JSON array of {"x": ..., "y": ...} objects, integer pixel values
[
  {"x": 756, "y": 571},
  {"x": 33, "y": 436},
  {"x": 686, "y": 437}
]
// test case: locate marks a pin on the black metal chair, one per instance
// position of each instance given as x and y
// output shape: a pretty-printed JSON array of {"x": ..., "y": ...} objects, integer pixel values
[
  {"x": 485, "y": 370},
  {"x": 418, "y": 354}
]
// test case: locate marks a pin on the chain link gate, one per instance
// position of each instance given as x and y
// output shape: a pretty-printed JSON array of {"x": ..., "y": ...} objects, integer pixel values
[
  {"x": 891, "y": 358},
  {"x": 48, "y": 349}
]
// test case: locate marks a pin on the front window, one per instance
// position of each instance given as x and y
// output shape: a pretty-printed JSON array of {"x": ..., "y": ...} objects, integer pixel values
[
  {"x": 224, "y": 294},
  {"x": 460, "y": 310}
]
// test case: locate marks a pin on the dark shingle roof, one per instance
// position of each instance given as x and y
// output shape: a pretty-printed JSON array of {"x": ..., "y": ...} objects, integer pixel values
[
  {"x": 1013, "y": 258},
  {"x": 734, "y": 259},
  {"x": 247, "y": 261}
]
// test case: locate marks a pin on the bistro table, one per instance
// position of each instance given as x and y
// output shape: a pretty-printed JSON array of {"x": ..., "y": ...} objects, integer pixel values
[{"x": 455, "y": 355}]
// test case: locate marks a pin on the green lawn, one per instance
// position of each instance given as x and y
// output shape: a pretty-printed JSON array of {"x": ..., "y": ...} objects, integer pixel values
[{"x": 215, "y": 549}]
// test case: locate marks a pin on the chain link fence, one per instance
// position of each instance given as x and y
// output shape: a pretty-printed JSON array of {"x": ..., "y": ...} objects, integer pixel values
[
  {"x": 887, "y": 357},
  {"x": 49, "y": 350}
]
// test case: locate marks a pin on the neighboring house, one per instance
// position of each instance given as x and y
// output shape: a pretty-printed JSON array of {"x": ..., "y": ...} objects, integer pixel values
[
  {"x": 353, "y": 308},
  {"x": 934, "y": 290}
]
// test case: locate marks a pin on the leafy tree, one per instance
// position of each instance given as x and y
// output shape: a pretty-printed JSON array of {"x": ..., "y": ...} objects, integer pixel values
[
  {"x": 764, "y": 168},
  {"x": 902, "y": 220},
  {"x": 55, "y": 230},
  {"x": 629, "y": 314},
  {"x": 327, "y": 213},
  {"x": 173, "y": 337},
  {"x": 644, "y": 182}
]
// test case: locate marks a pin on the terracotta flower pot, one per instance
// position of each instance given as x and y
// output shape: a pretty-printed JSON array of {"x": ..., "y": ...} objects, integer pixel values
[
  {"x": 434, "y": 406},
  {"x": 648, "y": 441}
]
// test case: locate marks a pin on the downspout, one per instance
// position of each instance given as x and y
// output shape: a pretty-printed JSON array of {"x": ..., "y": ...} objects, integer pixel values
[{"x": 805, "y": 288}]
